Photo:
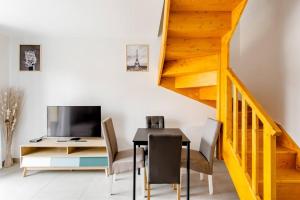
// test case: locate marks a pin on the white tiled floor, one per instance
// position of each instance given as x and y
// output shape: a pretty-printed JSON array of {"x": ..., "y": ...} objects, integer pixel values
[{"x": 94, "y": 185}]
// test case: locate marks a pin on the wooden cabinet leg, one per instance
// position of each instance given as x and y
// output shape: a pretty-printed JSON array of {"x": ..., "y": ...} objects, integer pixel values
[
  {"x": 106, "y": 172},
  {"x": 24, "y": 172}
]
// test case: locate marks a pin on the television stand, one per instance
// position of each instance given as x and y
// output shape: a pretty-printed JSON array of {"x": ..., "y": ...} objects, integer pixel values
[{"x": 49, "y": 154}]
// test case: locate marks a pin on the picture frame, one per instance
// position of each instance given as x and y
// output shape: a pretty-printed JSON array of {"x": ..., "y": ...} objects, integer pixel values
[
  {"x": 137, "y": 58},
  {"x": 30, "y": 57}
]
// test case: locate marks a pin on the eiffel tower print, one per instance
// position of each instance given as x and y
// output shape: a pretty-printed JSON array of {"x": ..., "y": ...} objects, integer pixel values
[{"x": 137, "y": 58}]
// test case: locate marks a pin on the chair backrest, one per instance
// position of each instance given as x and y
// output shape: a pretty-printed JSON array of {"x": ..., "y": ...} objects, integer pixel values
[
  {"x": 155, "y": 122},
  {"x": 111, "y": 140},
  {"x": 209, "y": 138},
  {"x": 164, "y": 158}
]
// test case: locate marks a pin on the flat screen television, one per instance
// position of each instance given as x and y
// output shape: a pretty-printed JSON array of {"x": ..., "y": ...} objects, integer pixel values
[{"x": 74, "y": 121}]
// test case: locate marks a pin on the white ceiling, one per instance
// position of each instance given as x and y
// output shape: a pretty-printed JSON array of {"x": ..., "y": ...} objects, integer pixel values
[{"x": 81, "y": 18}]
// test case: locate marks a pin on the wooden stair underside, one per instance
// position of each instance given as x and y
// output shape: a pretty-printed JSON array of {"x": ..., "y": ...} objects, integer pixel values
[
  {"x": 194, "y": 30},
  {"x": 195, "y": 24},
  {"x": 204, "y": 5},
  {"x": 184, "y": 48},
  {"x": 195, "y": 65}
]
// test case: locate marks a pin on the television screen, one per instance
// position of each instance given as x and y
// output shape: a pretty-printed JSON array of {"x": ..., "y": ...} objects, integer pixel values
[{"x": 74, "y": 121}]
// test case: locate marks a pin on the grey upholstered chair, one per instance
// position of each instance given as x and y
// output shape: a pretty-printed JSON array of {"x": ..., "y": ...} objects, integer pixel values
[
  {"x": 155, "y": 122},
  {"x": 119, "y": 161},
  {"x": 164, "y": 160},
  {"x": 202, "y": 160}
]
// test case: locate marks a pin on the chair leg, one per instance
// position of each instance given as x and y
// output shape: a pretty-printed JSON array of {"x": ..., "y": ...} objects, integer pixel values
[
  {"x": 148, "y": 193},
  {"x": 139, "y": 169},
  {"x": 145, "y": 179},
  {"x": 111, "y": 184},
  {"x": 181, "y": 177},
  {"x": 178, "y": 191},
  {"x": 201, "y": 176},
  {"x": 174, "y": 186},
  {"x": 114, "y": 177},
  {"x": 145, "y": 188},
  {"x": 210, "y": 184}
]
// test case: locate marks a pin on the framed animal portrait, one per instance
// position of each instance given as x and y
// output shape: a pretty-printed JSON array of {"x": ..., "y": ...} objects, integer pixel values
[{"x": 30, "y": 57}]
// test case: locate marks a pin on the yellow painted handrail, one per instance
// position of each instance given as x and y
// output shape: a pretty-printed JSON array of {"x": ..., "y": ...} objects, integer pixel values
[{"x": 260, "y": 112}]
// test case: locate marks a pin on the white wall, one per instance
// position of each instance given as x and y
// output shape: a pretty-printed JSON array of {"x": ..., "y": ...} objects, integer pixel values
[
  {"x": 4, "y": 78},
  {"x": 4, "y": 61},
  {"x": 91, "y": 71},
  {"x": 269, "y": 61}
]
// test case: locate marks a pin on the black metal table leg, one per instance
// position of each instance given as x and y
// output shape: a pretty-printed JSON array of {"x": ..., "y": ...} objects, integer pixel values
[
  {"x": 188, "y": 172},
  {"x": 139, "y": 170},
  {"x": 134, "y": 169}
]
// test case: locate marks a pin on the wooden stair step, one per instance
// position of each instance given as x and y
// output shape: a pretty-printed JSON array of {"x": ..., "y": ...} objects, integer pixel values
[
  {"x": 249, "y": 138},
  {"x": 249, "y": 118},
  {"x": 197, "y": 80},
  {"x": 284, "y": 175},
  {"x": 193, "y": 93},
  {"x": 287, "y": 184},
  {"x": 285, "y": 140},
  {"x": 285, "y": 158},
  {"x": 288, "y": 191},
  {"x": 199, "y": 24},
  {"x": 179, "y": 48},
  {"x": 189, "y": 66},
  {"x": 288, "y": 176},
  {"x": 203, "y": 5}
]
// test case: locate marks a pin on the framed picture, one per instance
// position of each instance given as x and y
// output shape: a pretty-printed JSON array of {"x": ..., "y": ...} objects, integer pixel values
[
  {"x": 30, "y": 57},
  {"x": 137, "y": 57}
]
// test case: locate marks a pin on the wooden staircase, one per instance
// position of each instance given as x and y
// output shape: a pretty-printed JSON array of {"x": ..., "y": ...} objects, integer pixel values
[{"x": 261, "y": 158}]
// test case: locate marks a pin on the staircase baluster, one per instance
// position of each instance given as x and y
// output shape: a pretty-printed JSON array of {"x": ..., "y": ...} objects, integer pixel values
[
  {"x": 269, "y": 169},
  {"x": 244, "y": 134},
  {"x": 235, "y": 119},
  {"x": 255, "y": 155}
]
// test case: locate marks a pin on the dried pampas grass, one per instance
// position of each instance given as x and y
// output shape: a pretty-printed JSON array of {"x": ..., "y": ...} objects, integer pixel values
[{"x": 10, "y": 105}]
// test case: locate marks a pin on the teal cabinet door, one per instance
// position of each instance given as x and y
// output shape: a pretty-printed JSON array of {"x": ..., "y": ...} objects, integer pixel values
[{"x": 93, "y": 162}]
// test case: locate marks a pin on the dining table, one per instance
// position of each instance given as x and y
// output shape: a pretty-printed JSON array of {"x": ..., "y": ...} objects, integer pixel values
[{"x": 141, "y": 139}]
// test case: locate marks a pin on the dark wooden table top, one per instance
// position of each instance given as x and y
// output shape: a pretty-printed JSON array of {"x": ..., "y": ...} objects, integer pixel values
[{"x": 141, "y": 136}]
